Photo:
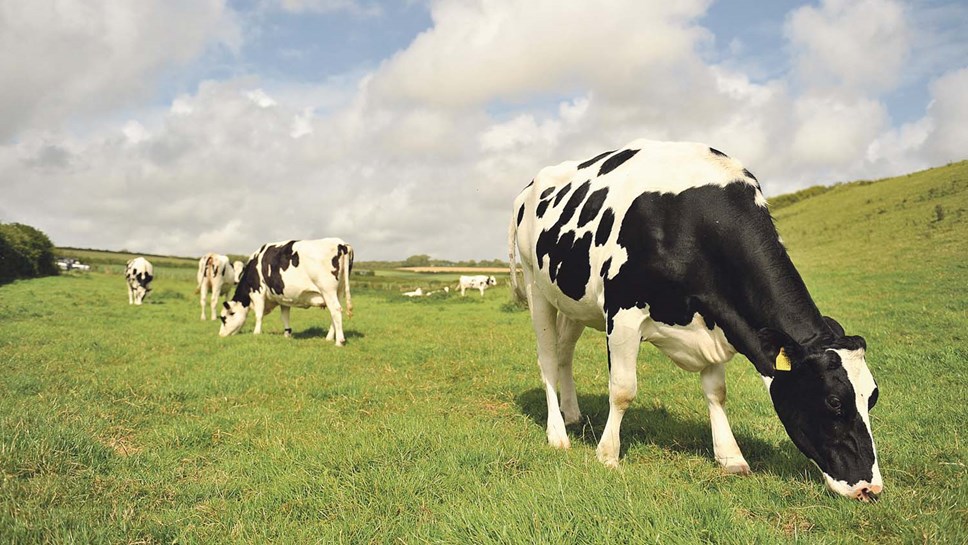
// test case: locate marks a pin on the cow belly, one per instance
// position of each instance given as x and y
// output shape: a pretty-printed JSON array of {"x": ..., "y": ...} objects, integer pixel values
[
  {"x": 692, "y": 347},
  {"x": 300, "y": 300}
]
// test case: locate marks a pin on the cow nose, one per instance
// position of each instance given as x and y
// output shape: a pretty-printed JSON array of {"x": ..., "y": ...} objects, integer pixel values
[{"x": 868, "y": 494}]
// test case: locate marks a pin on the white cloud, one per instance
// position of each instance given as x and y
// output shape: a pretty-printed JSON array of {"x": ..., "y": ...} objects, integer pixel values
[
  {"x": 859, "y": 44},
  {"x": 71, "y": 58}
]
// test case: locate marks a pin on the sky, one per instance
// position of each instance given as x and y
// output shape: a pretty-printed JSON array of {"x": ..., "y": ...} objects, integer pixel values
[{"x": 180, "y": 127}]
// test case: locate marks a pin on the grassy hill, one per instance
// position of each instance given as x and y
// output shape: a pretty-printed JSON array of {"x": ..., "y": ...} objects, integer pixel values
[{"x": 122, "y": 424}]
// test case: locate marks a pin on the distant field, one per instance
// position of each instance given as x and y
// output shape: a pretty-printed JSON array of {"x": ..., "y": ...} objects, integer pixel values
[
  {"x": 457, "y": 270},
  {"x": 123, "y": 424}
]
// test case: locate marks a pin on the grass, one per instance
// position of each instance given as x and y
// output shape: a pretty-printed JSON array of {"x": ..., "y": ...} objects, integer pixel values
[{"x": 122, "y": 424}]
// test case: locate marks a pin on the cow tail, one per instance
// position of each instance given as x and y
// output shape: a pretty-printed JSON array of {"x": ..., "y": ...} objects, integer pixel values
[
  {"x": 210, "y": 269},
  {"x": 345, "y": 268},
  {"x": 516, "y": 291}
]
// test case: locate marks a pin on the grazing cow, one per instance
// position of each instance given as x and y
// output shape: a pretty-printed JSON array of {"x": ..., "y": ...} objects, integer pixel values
[
  {"x": 672, "y": 243},
  {"x": 138, "y": 274},
  {"x": 215, "y": 275},
  {"x": 480, "y": 282},
  {"x": 294, "y": 273}
]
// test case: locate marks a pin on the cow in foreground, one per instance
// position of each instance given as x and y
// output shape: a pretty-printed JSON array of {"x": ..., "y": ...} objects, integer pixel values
[
  {"x": 672, "y": 243},
  {"x": 217, "y": 277},
  {"x": 294, "y": 273},
  {"x": 479, "y": 282},
  {"x": 138, "y": 273}
]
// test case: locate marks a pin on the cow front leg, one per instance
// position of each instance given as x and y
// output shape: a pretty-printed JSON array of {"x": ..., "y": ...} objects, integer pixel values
[
  {"x": 543, "y": 318},
  {"x": 623, "y": 350},
  {"x": 284, "y": 313},
  {"x": 336, "y": 312},
  {"x": 713, "y": 380},
  {"x": 568, "y": 333},
  {"x": 259, "y": 307},
  {"x": 130, "y": 295}
]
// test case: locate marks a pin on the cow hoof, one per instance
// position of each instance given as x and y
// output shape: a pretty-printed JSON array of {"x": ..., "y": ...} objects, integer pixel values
[
  {"x": 574, "y": 419},
  {"x": 736, "y": 467},
  {"x": 611, "y": 462},
  {"x": 561, "y": 442}
]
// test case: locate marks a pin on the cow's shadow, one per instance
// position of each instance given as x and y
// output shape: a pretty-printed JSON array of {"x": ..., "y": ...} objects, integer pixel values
[
  {"x": 656, "y": 426},
  {"x": 316, "y": 331}
]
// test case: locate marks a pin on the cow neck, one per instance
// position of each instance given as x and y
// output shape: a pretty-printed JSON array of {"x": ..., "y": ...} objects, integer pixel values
[{"x": 765, "y": 291}]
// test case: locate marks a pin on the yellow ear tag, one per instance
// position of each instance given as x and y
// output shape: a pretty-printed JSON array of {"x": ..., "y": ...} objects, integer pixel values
[{"x": 782, "y": 361}]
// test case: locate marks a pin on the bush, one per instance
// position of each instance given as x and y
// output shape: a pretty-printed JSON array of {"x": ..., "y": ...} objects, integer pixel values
[{"x": 25, "y": 252}]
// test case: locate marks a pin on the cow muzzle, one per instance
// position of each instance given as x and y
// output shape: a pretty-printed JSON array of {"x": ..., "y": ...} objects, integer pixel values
[{"x": 863, "y": 490}]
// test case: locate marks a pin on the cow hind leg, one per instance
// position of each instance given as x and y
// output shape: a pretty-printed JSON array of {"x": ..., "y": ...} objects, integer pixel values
[
  {"x": 203, "y": 292},
  {"x": 623, "y": 350},
  {"x": 543, "y": 318},
  {"x": 713, "y": 380},
  {"x": 568, "y": 333},
  {"x": 216, "y": 291},
  {"x": 336, "y": 312}
]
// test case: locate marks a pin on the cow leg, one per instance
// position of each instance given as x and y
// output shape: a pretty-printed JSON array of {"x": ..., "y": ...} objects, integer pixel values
[
  {"x": 336, "y": 312},
  {"x": 259, "y": 306},
  {"x": 568, "y": 333},
  {"x": 623, "y": 350},
  {"x": 203, "y": 291},
  {"x": 130, "y": 295},
  {"x": 284, "y": 312},
  {"x": 482, "y": 291},
  {"x": 713, "y": 380},
  {"x": 216, "y": 291},
  {"x": 543, "y": 318}
]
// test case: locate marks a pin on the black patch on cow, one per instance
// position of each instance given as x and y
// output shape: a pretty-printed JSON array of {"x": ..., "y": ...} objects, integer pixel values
[
  {"x": 562, "y": 192},
  {"x": 616, "y": 160},
  {"x": 520, "y": 214},
  {"x": 275, "y": 260},
  {"x": 604, "y": 227},
  {"x": 531, "y": 183},
  {"x": 248, "y": 283},
  {"x": 592, "y": 206},
  {"x": 749, "y": 175},
  {"x": 594, "y": 159},
  {"x": 547, "y": 191},
  {"x": 568, "y": 258},
  {"x": 341, "y": 250},
  {"x": 605, "y": 267},
  {"x": 542, "y": 208},
  {"x": 717, "y": 152},
  {"x": 712, "y": 250}
]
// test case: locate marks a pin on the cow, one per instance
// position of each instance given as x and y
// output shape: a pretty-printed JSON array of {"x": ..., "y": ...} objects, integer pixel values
[
  {"x": 479, "y": 282},
  {"x": 293, "y": 273},
  {"x": 672, "y": 243},
  {"x": 217, "y": 277},
  {"x": 138, "y": 274}
]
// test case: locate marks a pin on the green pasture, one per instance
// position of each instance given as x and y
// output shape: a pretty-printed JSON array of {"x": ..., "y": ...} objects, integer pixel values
[{"x": 123, "y": 424}]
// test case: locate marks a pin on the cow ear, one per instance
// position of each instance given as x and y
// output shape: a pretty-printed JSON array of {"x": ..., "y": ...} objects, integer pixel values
[
  {"x": 782, "y": 351},
  {"x": 834, "y": 326}
]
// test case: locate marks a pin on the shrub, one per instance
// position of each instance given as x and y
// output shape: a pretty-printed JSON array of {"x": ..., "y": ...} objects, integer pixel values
[{"x": 25, "y": 252}]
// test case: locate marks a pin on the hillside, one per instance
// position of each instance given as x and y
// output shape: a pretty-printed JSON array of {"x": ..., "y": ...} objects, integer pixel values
[{"x": 903, "y": 223}]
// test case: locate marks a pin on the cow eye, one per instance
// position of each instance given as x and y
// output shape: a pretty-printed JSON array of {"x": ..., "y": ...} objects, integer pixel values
[
  {"x": 872, "y": 400},
  {"x": 833, "y": 403}
]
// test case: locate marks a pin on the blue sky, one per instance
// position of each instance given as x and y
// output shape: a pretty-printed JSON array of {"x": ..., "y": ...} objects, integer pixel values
[{"x": 184, "y": 126}]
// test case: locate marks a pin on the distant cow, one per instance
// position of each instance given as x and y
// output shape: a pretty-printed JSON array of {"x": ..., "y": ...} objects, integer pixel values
[
  {"x": 138, "y": 274},
  {"x": 672, "y": 243},
  {"x": 480, "y": 282},
  {"x": 217, "y": 277},
  {"x": 294, "y": 273}
]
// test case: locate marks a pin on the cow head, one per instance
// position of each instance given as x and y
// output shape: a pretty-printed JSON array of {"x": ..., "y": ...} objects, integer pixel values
[
  {"x": 233, "y": 318},
  {"x": 823, "y": 395},
  {"x": 140, "y": 292},
  {"x": 491, "y": 281}
]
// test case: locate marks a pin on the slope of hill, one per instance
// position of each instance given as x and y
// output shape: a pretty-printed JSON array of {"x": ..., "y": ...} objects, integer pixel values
[{"x": 903, "y": 223}]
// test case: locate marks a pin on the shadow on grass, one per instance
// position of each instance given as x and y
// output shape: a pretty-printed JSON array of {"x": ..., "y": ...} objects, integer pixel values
[
  {"x": 656, "y": 426},
  {"x": 316, "y": 331}
]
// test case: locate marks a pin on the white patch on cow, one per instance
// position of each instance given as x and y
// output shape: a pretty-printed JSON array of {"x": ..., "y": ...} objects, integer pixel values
[
  {"x": 215, "y": 277},
  {"x": 692, "y": 347},
  {"x": 861, "y": 379}
]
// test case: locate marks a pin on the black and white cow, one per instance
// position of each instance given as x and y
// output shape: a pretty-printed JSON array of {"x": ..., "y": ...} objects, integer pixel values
[
  {"x": 480, "y": 282},
  {"x": 217, "y": 277},
  {"x": 138, "y": 274},
  {"x": 672, "y": 243},
  {"x": 294, "y": 273}
]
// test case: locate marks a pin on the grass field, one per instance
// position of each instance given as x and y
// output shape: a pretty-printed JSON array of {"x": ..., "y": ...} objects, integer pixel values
[{"x": 123, "y": 424}]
